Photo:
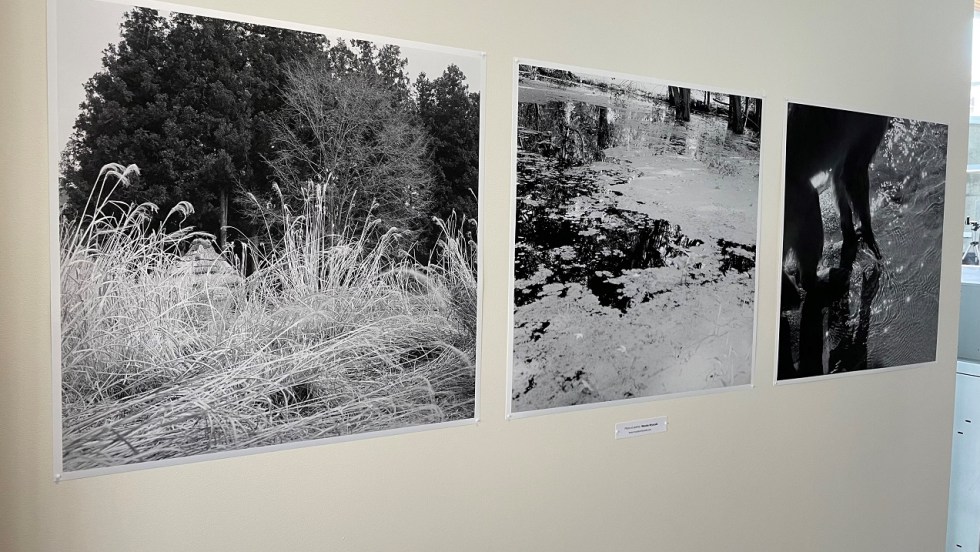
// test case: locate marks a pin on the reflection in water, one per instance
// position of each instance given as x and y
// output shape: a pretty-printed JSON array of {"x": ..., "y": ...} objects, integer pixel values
[
  {"x": 576, "y": 133},
  {"x": 849, "y": 335},
  {"x": 634, "y": 250},
  {"x": 572, "y": 133},
  {"x": 569, "y": 229}
]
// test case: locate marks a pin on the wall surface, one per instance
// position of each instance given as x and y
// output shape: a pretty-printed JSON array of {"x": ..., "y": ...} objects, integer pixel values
[{"x": 849, "y": 464}]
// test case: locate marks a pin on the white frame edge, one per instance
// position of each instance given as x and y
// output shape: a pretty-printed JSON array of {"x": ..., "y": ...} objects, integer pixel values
[
  {"x": 753, "y": 368},
  {"x": 54, "y": 153},
  {"x": 782, "y": 221}
]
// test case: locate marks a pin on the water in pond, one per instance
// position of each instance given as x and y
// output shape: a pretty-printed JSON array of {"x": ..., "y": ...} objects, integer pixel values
[
  {"x": 635, "y": 249},
  {"x": 573, "y": 230}
]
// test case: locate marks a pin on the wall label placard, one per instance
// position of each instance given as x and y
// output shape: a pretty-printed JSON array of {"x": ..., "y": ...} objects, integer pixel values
[{"x": 637, "y": 428}]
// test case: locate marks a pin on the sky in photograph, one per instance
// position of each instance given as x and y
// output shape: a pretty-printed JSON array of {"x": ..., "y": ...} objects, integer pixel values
[{"x": 86, "y": 27}]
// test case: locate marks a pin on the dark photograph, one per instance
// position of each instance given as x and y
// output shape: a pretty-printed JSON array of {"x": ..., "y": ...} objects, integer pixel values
[
  {"x": 862, "y": 241},
  {"x": 635, "y": 249},
  {"x": 267, "y": 235}
]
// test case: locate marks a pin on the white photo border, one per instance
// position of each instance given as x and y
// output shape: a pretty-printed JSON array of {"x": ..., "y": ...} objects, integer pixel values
[
  {"x": 54, "y": 153},
  {"x": 508, "y": 409},
  {"x": 781, "y": 231}
]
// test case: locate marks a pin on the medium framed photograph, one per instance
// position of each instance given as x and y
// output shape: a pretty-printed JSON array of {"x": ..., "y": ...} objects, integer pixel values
[
  {"x": 635, "y": 238},
  {"x": 864, "y": 195},
  {"x": 265, "y": 234}
]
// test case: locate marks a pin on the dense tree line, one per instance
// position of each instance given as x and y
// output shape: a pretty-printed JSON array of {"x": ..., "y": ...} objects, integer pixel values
[
  {"x": 451, "y": 114},
  {"x": 222, "y": 114}
]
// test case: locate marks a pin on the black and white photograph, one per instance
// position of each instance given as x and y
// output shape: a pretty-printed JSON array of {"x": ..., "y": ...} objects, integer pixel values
[
  {"x": 635, "y": 238},
  {"x": 267, "y": 234},
  {"x": 862, "y": 241}
]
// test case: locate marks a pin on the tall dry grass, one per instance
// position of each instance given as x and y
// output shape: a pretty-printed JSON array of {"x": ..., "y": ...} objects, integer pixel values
[{"x": 336, "y": 334}]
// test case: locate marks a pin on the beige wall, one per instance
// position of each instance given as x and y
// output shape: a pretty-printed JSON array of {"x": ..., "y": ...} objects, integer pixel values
[{"x": 858, "y": 463}]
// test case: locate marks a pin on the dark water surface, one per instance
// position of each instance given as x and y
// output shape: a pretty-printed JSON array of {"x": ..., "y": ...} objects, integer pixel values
[
  {"x": 907, "y": 198},
  {"x": 905, "y": 317}
]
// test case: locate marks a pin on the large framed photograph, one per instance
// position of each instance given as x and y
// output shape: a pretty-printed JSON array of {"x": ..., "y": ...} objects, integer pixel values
[
  {"x": 862, "y": 241},
  {"x": 265, "y": 235},
  {"x": 635, "y": 238}
]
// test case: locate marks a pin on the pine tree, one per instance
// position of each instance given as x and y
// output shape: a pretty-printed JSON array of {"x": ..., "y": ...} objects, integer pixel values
[
  {"x": 189, "y": 100},
  {"x": 451, "y": 113}
]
